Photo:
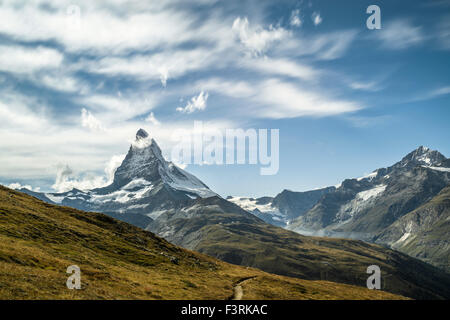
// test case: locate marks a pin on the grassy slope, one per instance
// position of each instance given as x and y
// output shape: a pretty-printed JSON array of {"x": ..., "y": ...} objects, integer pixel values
[{"x": 38, "y": 241}]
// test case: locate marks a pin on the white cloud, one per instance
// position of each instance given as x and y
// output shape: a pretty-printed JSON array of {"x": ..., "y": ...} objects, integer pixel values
[
  {"x": 19, "y": 59},
  {"x": 276, "y": 99},
  {"x": 152, "y": 119},
  {"x": 19, "y": 112},
  {"x": 89, "y": 121},
  {"x": 110, "y": 108},
  {"x": 139, "y": 44},
  {"x": 18, "y": 186},
  {"x": 400, "y": 34},
  {"x": 66, "y": 179},
  {"x": 441, "y": 91},
  {"x": 285, "y": 100},
  {"x": 158, "y": 66},
  {"x": 365, "y": 86},
  {"x": 333, "y": 45},
  {"x": 281, "y": 66},
  {"x": 444, "y": 33},
  {"x": 435, "y": 93},
  {"x": 257, "y": 40},
  {"x": 112, "y": 166},
  {"x": 324, "y": 46},
  {"x": 235, "y": 89},
  {"x": 119, "y": 25},
  {"x": 295, "y": 20},
  {"x": 316, "y": 18},
  {"x": 61, "y": 82},
  {"x": 196, "y": 103}
]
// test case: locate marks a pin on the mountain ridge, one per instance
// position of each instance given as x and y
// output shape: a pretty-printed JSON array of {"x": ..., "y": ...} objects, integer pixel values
[{"x": 362, "y": 208}]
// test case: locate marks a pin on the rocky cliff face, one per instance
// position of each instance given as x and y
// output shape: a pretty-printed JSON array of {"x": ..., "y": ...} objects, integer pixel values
[{"x": 424, "y": 232}]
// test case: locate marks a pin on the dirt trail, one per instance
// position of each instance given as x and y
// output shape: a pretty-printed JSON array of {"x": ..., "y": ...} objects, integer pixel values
[{"x": 238, "y": 292}]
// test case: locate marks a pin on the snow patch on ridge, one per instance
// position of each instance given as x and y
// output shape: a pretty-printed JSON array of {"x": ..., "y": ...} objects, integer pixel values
[
  {"x": 251, "y": 205},
  {"x": 366, "y": 195},
  {"x": 126, "y": 193},
  {"x": 54, "y": 198},
  {"x": 183, "y": 181},
  {"x": 442, "y": 169},
  {"x": 370, "y": 176},
  {"x": 361, "y": 201}
]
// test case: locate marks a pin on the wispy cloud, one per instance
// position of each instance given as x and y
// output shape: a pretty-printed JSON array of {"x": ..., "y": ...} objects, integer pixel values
[
  {"x": 152, "y": 119},
  {"x": 316, "y": 18},
  {"x": 365, "y": 86},
  {"x": 444, "y": 33},
  {"x": 432, "y": 94},
  {"x": 20, "y": 59},
  {"x": 400, "y": 34},
  {"x": 196, "y": 103},
  {"x": 277, "y": 99},
  {"x": 256, "y": 39},
  {"x": 69, "y": 70},
  {"x": 89, "y": 121},
  {"x": 295, "y": 19}
]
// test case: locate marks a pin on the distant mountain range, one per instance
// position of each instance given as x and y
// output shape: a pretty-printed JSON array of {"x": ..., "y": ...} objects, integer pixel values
[
  {"x": 156, "y": 195},
  {"x": 382, "y": 207}
]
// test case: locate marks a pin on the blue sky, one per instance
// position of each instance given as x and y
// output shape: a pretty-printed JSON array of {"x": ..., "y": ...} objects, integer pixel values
[{"x": 78, "y": 78}]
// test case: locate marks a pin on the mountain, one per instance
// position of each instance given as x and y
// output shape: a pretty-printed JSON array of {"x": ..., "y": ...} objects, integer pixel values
[
  {"x": 424, "y": 232},
  {"x": 284, "y": 207},
  {"x": 144, "y": 185},
  {"x": 184, "y": 211},
  {"x": 120, "y": 261},
  {"x": 361, "y": 208},
  {"x": 382, "y": 207}
]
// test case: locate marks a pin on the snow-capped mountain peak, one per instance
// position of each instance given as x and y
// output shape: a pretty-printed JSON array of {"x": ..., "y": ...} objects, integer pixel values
[
  {"x": 422, "y": 156},
  {"x": 145, "y": 161},
  {"x": 141, "y": 134},
  {"x": 144, "y": 186}
]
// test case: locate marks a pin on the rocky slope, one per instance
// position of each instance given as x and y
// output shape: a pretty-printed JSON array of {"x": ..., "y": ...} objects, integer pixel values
[{"x": 424, "y": 232}]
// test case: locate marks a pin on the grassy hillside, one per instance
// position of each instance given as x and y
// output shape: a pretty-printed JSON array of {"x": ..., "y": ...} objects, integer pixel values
[{"x": 38, "y": 241}]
